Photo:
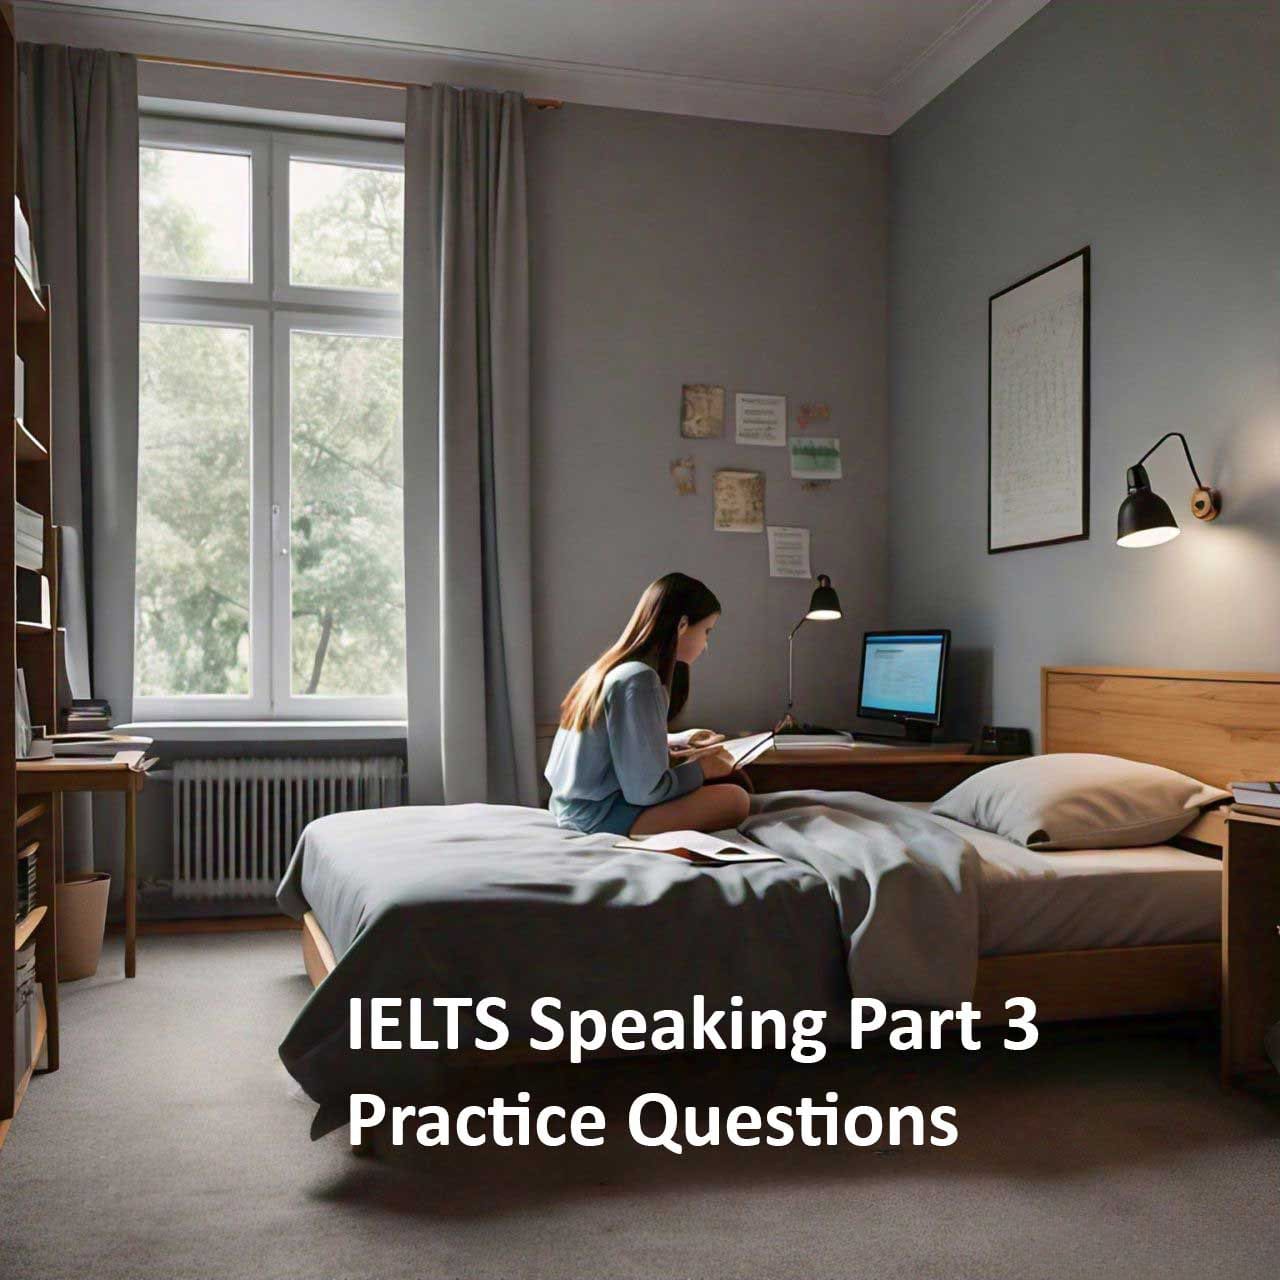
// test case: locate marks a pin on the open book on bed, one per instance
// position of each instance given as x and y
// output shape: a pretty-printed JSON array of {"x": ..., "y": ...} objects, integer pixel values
[{"x": 699, "y": 848}]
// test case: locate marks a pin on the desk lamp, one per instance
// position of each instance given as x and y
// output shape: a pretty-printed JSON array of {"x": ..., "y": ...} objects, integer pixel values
[{"x": 824, "y": 606}]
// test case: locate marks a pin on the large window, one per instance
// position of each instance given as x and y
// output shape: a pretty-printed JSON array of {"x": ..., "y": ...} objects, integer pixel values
[{"x": 270, "y": 493}]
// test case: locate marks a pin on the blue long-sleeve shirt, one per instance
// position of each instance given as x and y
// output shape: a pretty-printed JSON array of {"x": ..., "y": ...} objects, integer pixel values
[{"x": 602, "y": 776}]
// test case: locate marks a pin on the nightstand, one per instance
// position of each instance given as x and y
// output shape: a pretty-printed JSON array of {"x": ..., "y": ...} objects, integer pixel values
[{"x": 1250, "y": 945}]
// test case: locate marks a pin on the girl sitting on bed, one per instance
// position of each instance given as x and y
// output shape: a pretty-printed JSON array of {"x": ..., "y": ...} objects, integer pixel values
[{"x": 610, "y": 769}]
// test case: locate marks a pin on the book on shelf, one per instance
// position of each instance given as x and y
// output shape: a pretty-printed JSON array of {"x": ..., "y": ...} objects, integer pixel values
[
  {"x": 33, "y": 598},
  {"x": 19, "y": 388},
  {"x": 87, "y": 715},
  {"x": 85, "y": 724},
  {"x": 100, "y": 705},
  {"x": 23, "y": 252},
  {"x": 28, "y": 537},
  {"x": 27, "y": 521},
  {"x": 26, "y": 884}
]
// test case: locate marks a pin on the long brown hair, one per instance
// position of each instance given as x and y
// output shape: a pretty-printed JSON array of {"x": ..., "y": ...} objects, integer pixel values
[{"x": 650, "y": 636}]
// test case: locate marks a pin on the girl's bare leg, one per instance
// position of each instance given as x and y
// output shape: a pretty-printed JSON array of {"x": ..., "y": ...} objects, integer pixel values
[{"x": 709, "y": 808}]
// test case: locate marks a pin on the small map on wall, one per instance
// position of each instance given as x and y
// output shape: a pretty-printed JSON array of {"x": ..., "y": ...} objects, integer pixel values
[
  {"x": 739, "y": 501},
  {"x": 701, "y": 411}
]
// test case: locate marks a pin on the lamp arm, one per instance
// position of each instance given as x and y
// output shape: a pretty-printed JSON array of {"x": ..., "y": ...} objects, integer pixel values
[
  {"x": 1185, "y": 449},
  {"x": 791, "y": 635}
]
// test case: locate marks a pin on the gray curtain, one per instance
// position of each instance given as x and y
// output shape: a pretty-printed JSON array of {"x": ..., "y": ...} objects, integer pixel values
[
  {"x": 79, "y": 120},
  {"x": 466, "y": 450},
  {"x": 78, "y": 116}
]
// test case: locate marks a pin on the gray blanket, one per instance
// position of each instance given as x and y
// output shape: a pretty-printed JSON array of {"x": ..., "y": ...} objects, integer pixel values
[{"x": 491, "y": 900}]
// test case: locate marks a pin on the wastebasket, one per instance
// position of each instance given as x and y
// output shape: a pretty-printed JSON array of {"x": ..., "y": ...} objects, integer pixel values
[{"x": 82, "y": 918}]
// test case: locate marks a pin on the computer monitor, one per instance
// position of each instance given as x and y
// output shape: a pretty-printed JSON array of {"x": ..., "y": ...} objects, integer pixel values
[{"x": 903, "y": 677}]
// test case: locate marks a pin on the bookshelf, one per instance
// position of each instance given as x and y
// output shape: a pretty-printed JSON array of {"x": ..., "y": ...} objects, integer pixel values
[{"x": 26, "y": 641}]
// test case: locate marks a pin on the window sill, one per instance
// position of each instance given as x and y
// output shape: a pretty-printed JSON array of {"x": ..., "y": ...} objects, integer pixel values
[{"x": 266, "y": 730}]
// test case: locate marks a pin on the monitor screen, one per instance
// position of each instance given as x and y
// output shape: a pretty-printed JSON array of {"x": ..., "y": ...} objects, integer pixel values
[{"x": 902, "y": 674}]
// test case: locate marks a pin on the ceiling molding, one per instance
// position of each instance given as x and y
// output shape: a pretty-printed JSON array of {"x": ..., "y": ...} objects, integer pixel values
[{"x": 980, "y": 30}]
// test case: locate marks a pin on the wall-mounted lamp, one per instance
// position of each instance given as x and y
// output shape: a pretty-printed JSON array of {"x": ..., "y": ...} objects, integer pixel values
[
  {"x": 1145, "y": 519},
  {"x": 824, "y": 606}
]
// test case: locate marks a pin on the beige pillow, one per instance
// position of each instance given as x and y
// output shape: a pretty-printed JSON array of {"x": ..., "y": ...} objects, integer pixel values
[{"x": 1078, "y": 801}]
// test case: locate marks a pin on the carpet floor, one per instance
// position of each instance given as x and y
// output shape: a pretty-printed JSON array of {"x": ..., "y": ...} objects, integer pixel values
[{"x": 171, "y": 1145}]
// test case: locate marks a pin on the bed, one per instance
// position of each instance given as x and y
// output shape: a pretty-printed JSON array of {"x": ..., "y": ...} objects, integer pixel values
[{"x": 1087, "y": 934}]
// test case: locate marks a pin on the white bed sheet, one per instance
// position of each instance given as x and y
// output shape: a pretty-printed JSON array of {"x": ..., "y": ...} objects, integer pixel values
[{"x": 1084, "y": 898}]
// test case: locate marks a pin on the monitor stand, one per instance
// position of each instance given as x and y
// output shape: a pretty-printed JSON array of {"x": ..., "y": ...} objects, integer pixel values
[{"x": 918, "y": 731}]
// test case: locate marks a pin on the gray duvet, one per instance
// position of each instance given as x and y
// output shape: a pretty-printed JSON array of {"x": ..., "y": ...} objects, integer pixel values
[{"x": 871, "y": 898}]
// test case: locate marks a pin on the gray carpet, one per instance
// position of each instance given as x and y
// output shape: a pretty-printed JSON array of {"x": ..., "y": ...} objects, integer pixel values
[{"x": 169, "y": 1146}]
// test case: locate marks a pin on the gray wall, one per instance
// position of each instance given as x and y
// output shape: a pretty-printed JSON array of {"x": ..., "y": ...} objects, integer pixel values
[
  {"x": 666, "y": 250},
  {"x": 1150, "y": 131}
]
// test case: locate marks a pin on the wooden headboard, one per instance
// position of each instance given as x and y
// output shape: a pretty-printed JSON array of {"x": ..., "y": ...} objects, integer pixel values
[{"x": 1217, "y": 726}]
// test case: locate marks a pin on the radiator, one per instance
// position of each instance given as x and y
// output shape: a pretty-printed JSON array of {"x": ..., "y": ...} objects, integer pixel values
[{"x": 236, "y": 821}]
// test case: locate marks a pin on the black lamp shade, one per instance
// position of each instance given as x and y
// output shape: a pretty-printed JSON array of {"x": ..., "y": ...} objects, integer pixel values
[
  {"x": 1145, "y": 519},
  {"x": 825, "y": 605}
]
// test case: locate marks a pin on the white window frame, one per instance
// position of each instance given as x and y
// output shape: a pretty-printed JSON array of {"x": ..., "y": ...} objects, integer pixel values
[
  {"x": 192, "y": 135},
  {"x": 287, "y": 703},
  {"x": 363, "y": 153},
  {"x": 270, "y": 307},
  {"x": 257, "y": 703}
]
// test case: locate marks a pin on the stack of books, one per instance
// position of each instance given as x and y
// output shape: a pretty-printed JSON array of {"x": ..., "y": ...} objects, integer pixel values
[
  {"x": 28, "y": 537},
  {"x": 88, "y": 715},
  {"x": 1258, "y": 797},
  {"x": 26, "y": 884},
  {"x": 102, "y": 745}
]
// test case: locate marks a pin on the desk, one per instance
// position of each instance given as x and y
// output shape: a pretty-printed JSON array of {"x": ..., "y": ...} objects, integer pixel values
[
  {"x": 126, "y": 773},
  {"x": 895, "y": 773}
]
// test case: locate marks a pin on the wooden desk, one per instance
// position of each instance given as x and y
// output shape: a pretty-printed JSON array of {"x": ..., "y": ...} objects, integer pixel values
[
  {"x": 896, "y": 773},
  {"x": 1250, "y": 945},
  {"x": 125, "y": 773}
]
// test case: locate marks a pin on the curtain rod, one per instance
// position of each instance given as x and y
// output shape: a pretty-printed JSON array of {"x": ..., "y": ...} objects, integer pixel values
[{"x": 542, "y": 104}]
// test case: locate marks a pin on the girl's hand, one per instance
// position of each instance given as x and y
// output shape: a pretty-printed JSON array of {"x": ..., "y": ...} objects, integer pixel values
[
  {"x": 691, "y": 739},
  {"x": 719, "y": 764}
]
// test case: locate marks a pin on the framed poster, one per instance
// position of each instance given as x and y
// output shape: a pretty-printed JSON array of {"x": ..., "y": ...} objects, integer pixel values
[{"x": 1038, "y": 408}]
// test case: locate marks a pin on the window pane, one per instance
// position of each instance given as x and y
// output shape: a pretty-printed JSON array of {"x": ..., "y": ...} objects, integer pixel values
[
  {"x": 194, "y": 427},
  {"x": 194, "y": 214},
  {"x": 346, "y": 226},
  {"x": 346, "y": 505}
]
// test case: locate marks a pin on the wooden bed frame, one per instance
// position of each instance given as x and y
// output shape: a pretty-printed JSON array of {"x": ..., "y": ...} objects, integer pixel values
[{"x": 1216, "y": 726}]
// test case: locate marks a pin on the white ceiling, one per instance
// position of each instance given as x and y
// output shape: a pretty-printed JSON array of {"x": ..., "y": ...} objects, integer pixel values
[{"x": 852, "y": 64}]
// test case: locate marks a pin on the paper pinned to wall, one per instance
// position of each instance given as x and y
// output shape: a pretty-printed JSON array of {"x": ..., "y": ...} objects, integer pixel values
[
  {"x": 738, "y": 501},
  {"x": 812, "y": 411},
  {"x": 760, "y": 419},
  {"x": 701, "y": 411},
  {"x": 684, "y": 475},
  {"x": 788, "y": 552},
  {"x": 815, "y": 458}
]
